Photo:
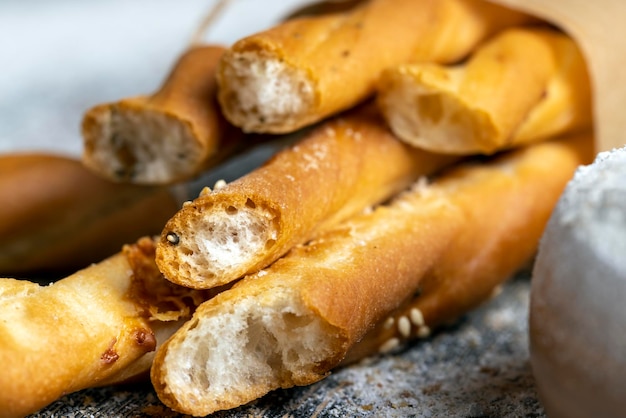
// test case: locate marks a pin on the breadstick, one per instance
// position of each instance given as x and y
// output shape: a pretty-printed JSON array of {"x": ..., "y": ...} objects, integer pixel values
[
  {"x": 56, "y": 216},
  {"x": 291, "y": 323},
  {"x": 340, "y": 168},
  {"x": 98, "y": 326},
  {"x": 166, "y": 137},
  {"x": 489, "y": 248},
  {"x": 523, "y": 86},
  {"x": 306, "y": 69}
]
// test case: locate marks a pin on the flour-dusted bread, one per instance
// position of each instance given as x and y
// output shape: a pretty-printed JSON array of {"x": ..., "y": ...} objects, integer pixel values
[
  {"x": 98, "y": 326},
  {"x": 169, "y": 136},
  {"x": 577, "y": 316},
  {"x": 522, "y": 86},
  {"x": 291, "y": 323},
  {"x": 338, "y": 169},
  {"x": 306, "y": 69}
]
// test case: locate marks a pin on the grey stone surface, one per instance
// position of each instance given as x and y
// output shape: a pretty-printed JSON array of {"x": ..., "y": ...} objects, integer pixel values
[{"x": 478, "y": 368}]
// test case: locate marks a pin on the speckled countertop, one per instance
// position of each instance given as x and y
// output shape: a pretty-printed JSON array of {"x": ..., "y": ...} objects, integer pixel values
[{"x": 59, "y": 58}]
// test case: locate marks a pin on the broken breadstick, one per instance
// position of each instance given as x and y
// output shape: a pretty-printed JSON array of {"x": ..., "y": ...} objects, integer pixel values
[
  {"x": 306, "y": 69},
  {"x": 166, "y": 137},
  {"x": 291, "y": 323},
  {"x": 56, "y": 216},
  {"x": 524, "y": 85},
  {"x": 98, "y": 326},
  {"x": 338, "y": 169}
]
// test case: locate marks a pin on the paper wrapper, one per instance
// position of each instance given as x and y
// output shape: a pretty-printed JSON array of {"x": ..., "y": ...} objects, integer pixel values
[{"x": 599, "y": 28}]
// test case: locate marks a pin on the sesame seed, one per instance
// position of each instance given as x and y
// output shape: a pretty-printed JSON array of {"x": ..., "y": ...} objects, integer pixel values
[
  {"x": 416, "y": 317},
  {"x": 172, "y": 238},
  {"x": 205, "y": 191},
  {"x": 389, "y": 345},
  {"x": 423, "y": 332},
  {"x": 219, "y": 184},
  {"x": 404, "y": 326},
  {"x": 389, "y": 322}
]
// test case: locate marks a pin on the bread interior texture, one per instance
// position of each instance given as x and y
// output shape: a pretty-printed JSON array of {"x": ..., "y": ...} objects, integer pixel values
[
  {"x": 225, "y": 240},
  {"x": 142, "y": 146},
  {"x": 246, "y": 348},
  {"x": 268, "y": 94}
]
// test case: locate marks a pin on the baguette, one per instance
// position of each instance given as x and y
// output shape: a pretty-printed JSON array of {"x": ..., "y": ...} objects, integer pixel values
[
  {"x": 98, "y": 326},
  {"x": 338, "y": 169},
  {"x": 524, "y": 85},
  {"x": 57, "y": 216},
  {"x": 169, "y": 136},
  {"x": 306, "y": 69},
  {"x": 291, "y": 323}
]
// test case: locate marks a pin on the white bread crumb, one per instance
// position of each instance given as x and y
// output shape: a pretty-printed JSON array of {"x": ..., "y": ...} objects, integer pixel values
[
  {"x": 225, "y": 240},
  {"x": 264, "y": 93},
  {"x": 246, "y": 347},
  {"x": 147, "y": 147}
]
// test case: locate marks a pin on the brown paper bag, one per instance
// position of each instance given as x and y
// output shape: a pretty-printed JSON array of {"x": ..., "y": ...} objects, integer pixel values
[{"x": 599, "y": 27}]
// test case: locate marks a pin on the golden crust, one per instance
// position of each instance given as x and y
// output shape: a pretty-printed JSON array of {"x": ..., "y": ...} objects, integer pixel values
[
  {"x": 524, "y": 85},
  {"x": 347, "y": 279},
  {"x": 499, "y": 235},
  {"x": 353, "y": 276},
  {"x": 67, "y": 336},
  {"x": 339, "y": 169},
  {"x": 98, "y": 326},
  {"x": 331, "y": 62}
]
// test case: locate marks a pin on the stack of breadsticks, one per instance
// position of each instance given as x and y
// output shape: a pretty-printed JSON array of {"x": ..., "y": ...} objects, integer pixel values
[{"x": 378, "y": 224}]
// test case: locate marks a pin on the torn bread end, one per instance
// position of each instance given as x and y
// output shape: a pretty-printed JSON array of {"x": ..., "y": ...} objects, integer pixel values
[
  {"x": 222, "y": 242},
  {"x": 126, "y": 143},
  {"x": 424, "y": 109},
  {"x": 243, "y": 348},
  {"x": 263, "y": 93}
]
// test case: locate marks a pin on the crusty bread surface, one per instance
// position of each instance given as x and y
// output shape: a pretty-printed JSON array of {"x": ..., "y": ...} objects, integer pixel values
[
  {"x": 340, "y": 168},
  {"x": 98, "y": 326},
  {"x": 499, "y": 236},
  {"x": 306, "y": 69},
  {"x": 292, "y": 322},
  {"x": 60, "y": 338},
  {"x": 522, "y": 86},
  {"x": 166, "y": 137}
]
